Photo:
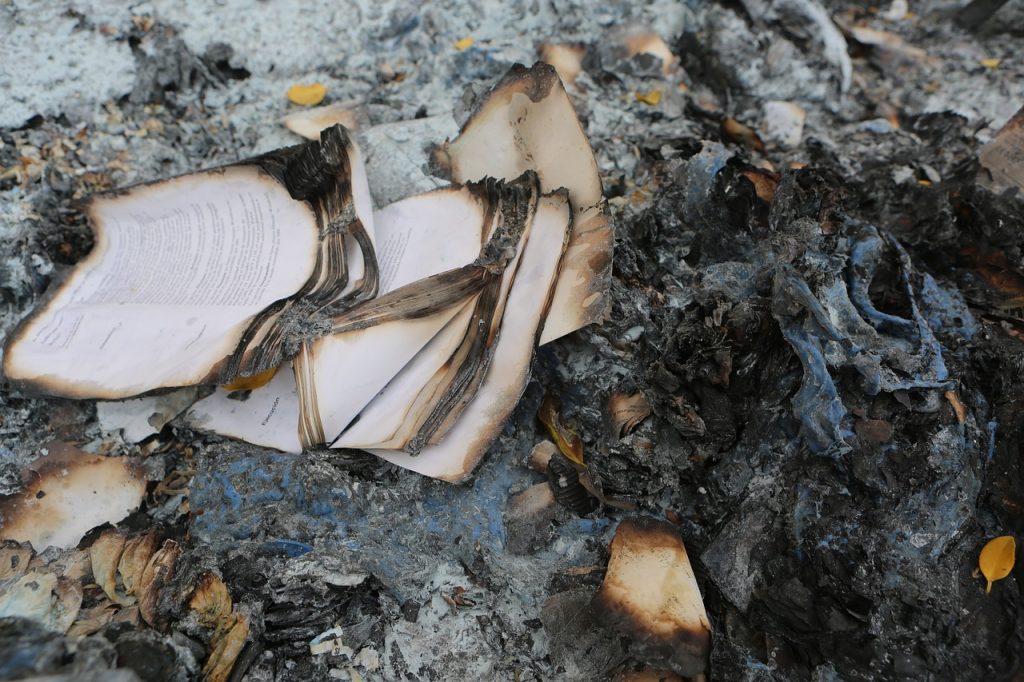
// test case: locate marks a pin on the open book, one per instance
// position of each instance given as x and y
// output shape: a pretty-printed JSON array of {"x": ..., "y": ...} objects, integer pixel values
[{"x": 407, "y": 331}]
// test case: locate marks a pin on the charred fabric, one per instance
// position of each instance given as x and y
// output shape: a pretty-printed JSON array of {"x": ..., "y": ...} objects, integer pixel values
[{"x": 811, "y": 374}]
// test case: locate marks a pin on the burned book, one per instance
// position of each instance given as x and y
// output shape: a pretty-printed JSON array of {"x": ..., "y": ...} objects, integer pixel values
[
  {"x": 196, "y": 279},
  {"x": 407, "y": 331}
]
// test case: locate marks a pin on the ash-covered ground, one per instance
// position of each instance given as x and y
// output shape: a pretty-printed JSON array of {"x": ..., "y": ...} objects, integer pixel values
[{"x": 827, "y": 326}]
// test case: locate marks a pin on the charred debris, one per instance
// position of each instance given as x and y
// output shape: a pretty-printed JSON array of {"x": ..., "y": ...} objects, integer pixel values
[{"x": 777, "y": 456}]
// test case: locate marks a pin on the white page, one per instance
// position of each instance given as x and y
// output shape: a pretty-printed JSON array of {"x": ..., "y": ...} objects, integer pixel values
[
  {"x": 481, "y": 422},
  {"x": 178, "y": 270},
  {"x": 269, "y": 417},
  {"x": 381, "y": 420},
  {"x": 416, "y": 238}
]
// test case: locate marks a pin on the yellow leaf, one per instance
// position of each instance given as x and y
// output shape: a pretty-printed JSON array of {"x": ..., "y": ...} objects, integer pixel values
[
  {"x": 463, "y": 44},
  {"x": 992, "y": 63},
  {"x": 652, "y": 98},
  {"x": 307, "y": 95},
  {"x": 996, "y": 559},
  {"x": 251, "y": 382}
]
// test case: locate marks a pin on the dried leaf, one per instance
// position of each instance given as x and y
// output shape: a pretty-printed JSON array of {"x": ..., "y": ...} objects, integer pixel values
[
  {"x": 92, "y": 620},
  {"x": 627, "y": 412},
  {"x": 991, "y": 63},
  {"x": 68, "y": 603},
  {"x": 651, "y": 98},
  {"x": 958, "y": 407},
  {"x": 997, "y": 558},
  {"x": 464, "y": 44},
  {"x": 137, "y": 553},
  {"x": 211, "y": 601},
  {"x": 227, "y": 644},
  {"x": 743, "y": 134},
  {"x": 764, "y": 183},
  {"x": 887, "y": 41},
  {"x": 307, "y": 95},
  {"x": 156, "y": 576},
  {"x": 73, "y": 565},
  {"x": 581, "y": 570},
  {"x": 250, "y": 383},
  {"x": 105, "y": 554},
  {"x": 570, "y": 444},
  {"x": 129, "y": 615}
]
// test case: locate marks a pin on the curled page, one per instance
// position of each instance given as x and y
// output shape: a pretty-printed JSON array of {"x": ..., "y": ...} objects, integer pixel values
[
  {"x": 527, "y": 122},
  {"x": 455, "y": 456}
]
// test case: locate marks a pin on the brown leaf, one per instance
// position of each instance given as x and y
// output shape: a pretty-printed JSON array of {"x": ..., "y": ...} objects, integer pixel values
[
  {"x": 128, "y": 615},
  {"x": 105, "y": 554},
  {"x": 211, "y": 601},
  {"x": 627, "y": 412},
  {"x": 212, "y": 604},
  {"x": 764, "y": 183},
  {"x": 158, "y": 573},
  {"x": 227, "y": 643},
  {"x": 958, "y": 407},
  {"x": 69, "y": 602},
  {"x": 744, "y": 134},
  {"x": 134, "y": 559},
  {"x": 92, "y": 620},
  {"x": 226, "y": 649}
]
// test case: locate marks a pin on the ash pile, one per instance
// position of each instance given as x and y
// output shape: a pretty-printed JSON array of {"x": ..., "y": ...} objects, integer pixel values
[{"x": 778, "y": 458}]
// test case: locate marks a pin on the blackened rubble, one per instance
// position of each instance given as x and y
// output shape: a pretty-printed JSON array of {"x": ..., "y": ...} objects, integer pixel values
[
  {"x": 831, "y": 354},
  {"x": 830, "y": 330}
]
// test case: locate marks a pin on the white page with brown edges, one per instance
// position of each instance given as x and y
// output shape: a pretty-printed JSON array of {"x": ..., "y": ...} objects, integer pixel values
[
  {"x": 178, "y": 269},
  {"x": 417, "y": 237},
  {"x": 528, "y": 122},
  {"x": 529, "y": 298},
  {"x": 380, "y": 423}
]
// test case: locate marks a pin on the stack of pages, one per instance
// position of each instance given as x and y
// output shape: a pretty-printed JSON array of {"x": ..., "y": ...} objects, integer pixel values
[{"x": 406, "y": 331}]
